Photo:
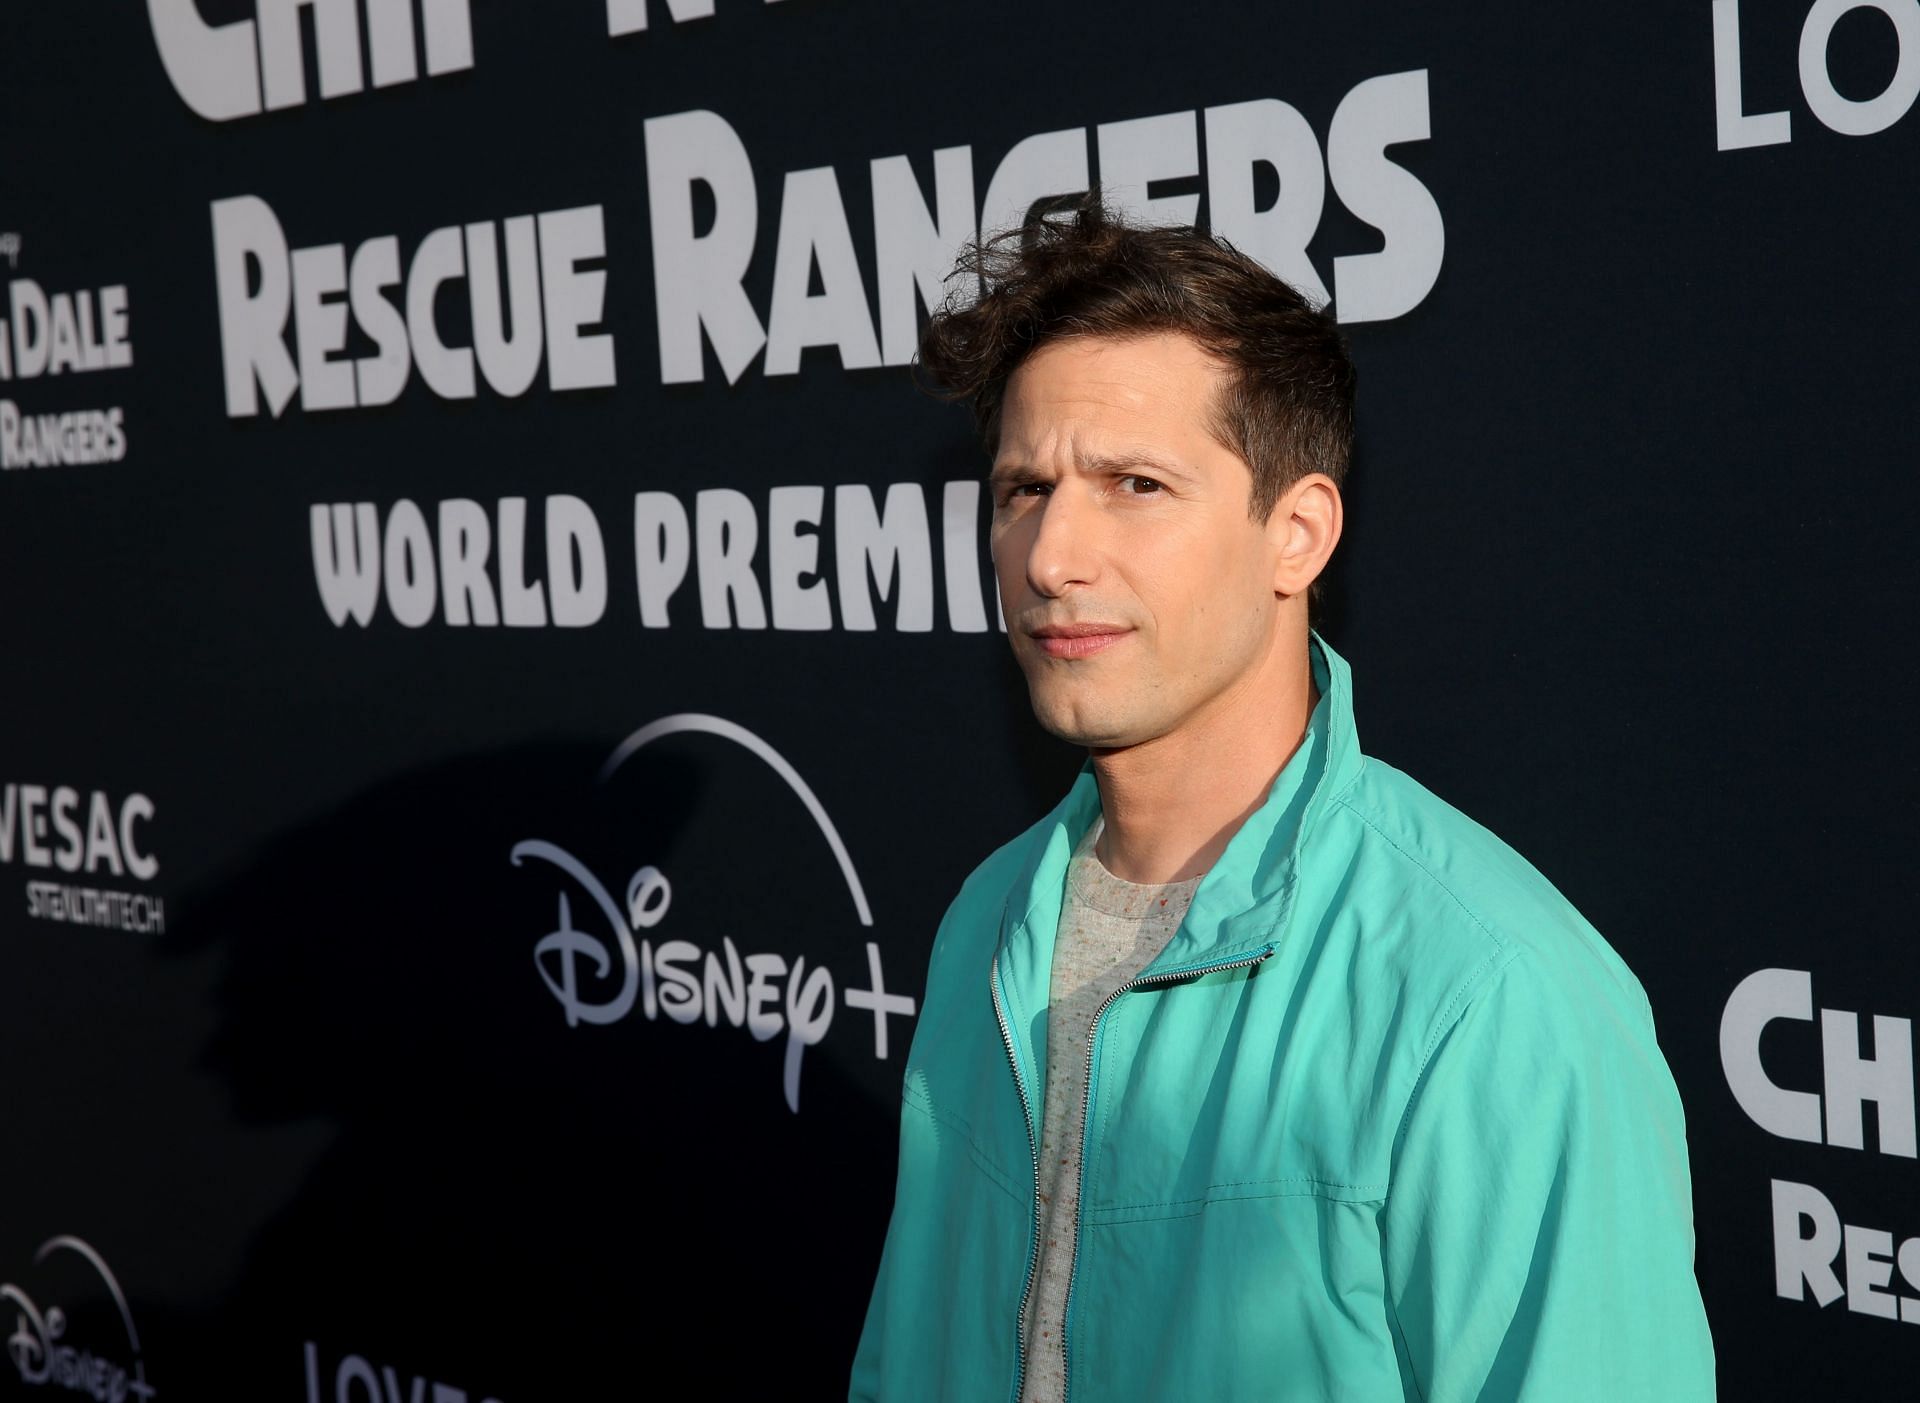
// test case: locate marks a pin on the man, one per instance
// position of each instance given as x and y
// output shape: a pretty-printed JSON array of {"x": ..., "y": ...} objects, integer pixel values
[{"x": 1253, "y": 1070}]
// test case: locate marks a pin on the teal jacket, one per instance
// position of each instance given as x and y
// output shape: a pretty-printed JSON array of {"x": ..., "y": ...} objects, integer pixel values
[{"x": 1385, "y": 1120}]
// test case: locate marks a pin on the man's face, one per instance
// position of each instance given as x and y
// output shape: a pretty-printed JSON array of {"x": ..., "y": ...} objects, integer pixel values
[{"x": 1114, "y": 507}]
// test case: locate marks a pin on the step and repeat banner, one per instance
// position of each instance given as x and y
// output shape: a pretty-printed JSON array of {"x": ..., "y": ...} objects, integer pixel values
[{"x": 500, "y": 673}]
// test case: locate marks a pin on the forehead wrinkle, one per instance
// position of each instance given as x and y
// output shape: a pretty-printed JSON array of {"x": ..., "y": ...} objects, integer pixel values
[{"x": 1049, "y": 417}]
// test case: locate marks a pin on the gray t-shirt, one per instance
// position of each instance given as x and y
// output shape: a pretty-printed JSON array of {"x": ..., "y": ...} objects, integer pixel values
[{"x": 1110, "y": 929}]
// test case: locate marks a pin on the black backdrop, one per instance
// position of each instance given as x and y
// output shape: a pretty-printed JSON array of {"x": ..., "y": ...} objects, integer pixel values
[{"x": 288, "y": 1060}]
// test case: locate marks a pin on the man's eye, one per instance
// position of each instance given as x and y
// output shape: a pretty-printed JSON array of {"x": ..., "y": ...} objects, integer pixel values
[
  {"x": 1023, "y": 487},
  {"x": 1152, "y": 486}
]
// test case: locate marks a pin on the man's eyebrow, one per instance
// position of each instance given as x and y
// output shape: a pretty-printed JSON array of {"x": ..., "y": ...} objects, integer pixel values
[
  {"x": 1021, "y": 474},
  {"x": 1131, "y": 462},
  {"x": 1014, "y": 475}
]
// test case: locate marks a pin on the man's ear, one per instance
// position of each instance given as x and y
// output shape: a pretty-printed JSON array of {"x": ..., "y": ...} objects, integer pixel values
[{"x": 1303, "y": 530}]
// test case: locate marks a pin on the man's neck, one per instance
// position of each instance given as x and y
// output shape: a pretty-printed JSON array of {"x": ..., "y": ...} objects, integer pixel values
[{"x": 1171, "y": 805}]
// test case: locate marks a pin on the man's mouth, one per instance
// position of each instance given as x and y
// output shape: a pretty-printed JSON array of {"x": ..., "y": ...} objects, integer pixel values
[{"x": 1077, "y": 640}]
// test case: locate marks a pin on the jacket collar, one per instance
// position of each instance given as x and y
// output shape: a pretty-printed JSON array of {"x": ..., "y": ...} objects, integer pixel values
[{"x": 1241, "y": 903}]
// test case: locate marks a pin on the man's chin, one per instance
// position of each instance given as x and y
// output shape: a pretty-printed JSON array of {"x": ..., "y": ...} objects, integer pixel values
[{"x": 1080, "y": 726}]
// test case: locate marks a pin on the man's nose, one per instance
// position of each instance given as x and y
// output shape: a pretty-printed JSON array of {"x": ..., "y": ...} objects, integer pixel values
[{"x": 1065, "y": 549}]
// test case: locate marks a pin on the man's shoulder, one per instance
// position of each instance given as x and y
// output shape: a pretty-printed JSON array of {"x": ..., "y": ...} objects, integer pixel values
[
  {"x": 992, "y": 880},
  {"x": 1497, "y": 914}
]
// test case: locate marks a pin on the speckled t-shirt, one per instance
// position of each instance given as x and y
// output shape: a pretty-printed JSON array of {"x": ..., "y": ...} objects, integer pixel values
[{"x": 1110, "y": 929}]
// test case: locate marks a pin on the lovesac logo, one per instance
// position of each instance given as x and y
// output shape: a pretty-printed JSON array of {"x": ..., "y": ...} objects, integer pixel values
[
  {"x": 762, "y": 992},
  {"x": 355, "y": 1375},
  {"x": 1738, "y": 128},
  {"x": 83, "y": 832},
  {"x": 39, "y": 1349}
]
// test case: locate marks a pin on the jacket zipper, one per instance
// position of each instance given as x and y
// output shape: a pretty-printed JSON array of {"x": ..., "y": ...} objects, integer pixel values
[
  {"x": 1086, "y": 1106},
  {"x": 1033, "y": 1144}
]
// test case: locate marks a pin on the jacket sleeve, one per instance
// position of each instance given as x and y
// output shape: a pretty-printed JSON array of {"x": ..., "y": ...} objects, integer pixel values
[{"x": 1538, "y": 1230}]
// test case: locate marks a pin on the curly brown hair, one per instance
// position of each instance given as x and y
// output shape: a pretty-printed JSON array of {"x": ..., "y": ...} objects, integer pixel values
[{"x": 1287, "y": 408}]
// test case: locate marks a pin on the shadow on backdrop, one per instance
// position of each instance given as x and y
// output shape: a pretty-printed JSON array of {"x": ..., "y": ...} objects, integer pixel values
[{"x": 510, "y": 1205}]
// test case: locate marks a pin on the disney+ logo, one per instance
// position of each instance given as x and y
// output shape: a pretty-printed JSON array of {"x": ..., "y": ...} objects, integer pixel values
[{"x": 762, "y": 991}]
